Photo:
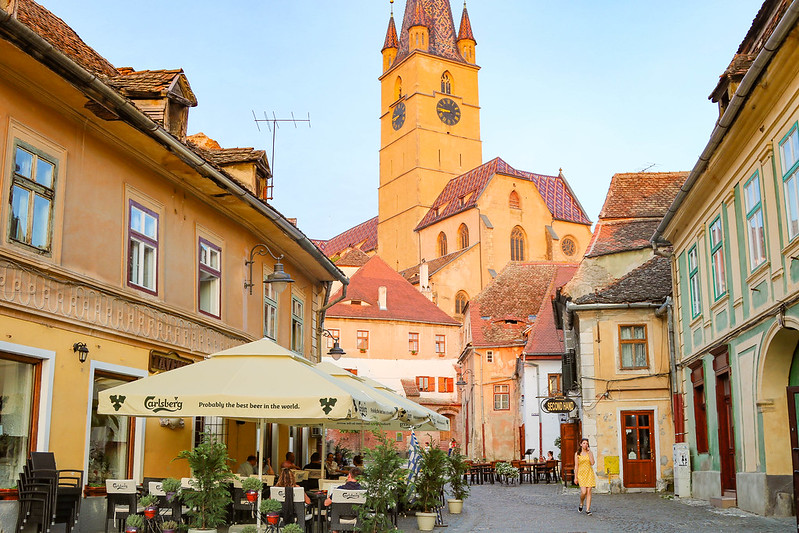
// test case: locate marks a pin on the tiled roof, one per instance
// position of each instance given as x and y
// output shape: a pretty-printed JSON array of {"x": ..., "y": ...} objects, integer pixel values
[
  {"x": 544, "y": 338},
  {"x": 143, "y": 83},
  {"x": 363, "y": 236},
  {"x": 61, "y": 36},
  {"x": 465, "y": 31},
  {"x": 412, "y": 274},
  {"x": 403, "y": 301},
  {"x": 521, "y": 293},
  {"x": 409, "y": 387},
  {"x": 650, "y": 282},
  {"x": 461, "y": 193},
  {"x": 641, "y": 194},
  {"x": 615, "y": 236},
  {"x": 391, "y": 35},
  {"x": 353, "y": 258},
  {"x": 438, "y": 19},
  {"x": 210, "y": 150},
  {"x": 418, "y": 17}
]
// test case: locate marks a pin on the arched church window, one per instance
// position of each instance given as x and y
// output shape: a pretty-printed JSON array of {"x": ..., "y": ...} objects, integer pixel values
[
  {"x": 517, "y": 244},
  {"x": 446, "y": 82},
  {"x": 513, "y": 200},
  {"x": 463, "y": 236},
  {"x": 397, "y": 88},
  {"x": 442, "y": 244},
  {"x": 461, "y": 299}
]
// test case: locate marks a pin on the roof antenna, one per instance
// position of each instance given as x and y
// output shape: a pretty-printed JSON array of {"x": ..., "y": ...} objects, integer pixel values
[{"x": 272, "y": 124}]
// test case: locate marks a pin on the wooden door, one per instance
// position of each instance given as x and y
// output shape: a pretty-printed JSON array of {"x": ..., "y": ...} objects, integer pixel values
[
  {"x": 569, "y": 443},
  {"x": 639, "y": 454},
  {"x": 726, "y": 432},
  {"x": 793, "y": 423}
]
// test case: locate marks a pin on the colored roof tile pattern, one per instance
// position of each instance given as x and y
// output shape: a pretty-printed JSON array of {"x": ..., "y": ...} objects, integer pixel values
[
  {"x": 353, "y": 258},
  {"x": 418, "y": 16},
  {"x": 513, "y": 301},
  {"x": 412, "y": 274},
  {"x": 403, "y": 301},
  {"x": 438, "y": 17},
  {"x": 465, "y": 31},
  {"x": 615, "y": 236},
  {"x": 61, "y": 36},
  {"x": 641, "y": 194},
  {"x": 391, "y": 35},
  {"x": 363, "y": 236},
  {"x": 544, "y": 338},
  {"x": 144, "y": 83},
  {"x": 650, "y": 282},
  {"x": 461, "y": 193}
]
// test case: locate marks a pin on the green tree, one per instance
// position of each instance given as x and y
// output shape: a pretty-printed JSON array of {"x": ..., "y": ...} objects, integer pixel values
[
  {"x": 209, "y": 463},
  {"x": 384, "y": 479}
]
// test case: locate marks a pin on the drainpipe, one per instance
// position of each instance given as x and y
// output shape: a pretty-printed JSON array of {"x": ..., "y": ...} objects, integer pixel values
[{"x": 668, "y": 309}]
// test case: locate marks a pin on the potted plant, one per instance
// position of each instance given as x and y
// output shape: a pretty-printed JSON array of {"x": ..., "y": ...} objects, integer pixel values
[
  {"x": 171, "y": 487},
  {"x": 457, "y": 469},
  {"x": 383, "y": 480},
  {"x": 209, "y": 498},
  {"x": 150, "y": 504},
  {"x": 170, "y": 526},
  {"x": 134, "y": 523},
  {"x": 251, "y": 529},
  {"x": 507, "y": 472},
  {"x": 251, "y": 487},
  {"x": 429, "y": 484},
  {"x": 271, "y": 510},
  {"x": 293, "y": 528}
]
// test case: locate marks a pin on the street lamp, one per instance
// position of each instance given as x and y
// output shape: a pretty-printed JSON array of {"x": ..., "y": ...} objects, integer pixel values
[
  {"x": 336, "y": 351},
  {"x": 279, "y": 278},
  {"x": 461, "y": 381}
]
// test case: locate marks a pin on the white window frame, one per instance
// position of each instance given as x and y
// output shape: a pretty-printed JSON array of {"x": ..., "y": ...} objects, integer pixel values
[
  {"x": 695, "y": 287},
  {"x": 502, "y": 393},
  {"x": 35, "y": 190},
  {"x": 755, "y": 225},
  {"x": 717, "y": 258},
  {"x": 297, "y": 329},
  {"x": 206, "y": 273},
  {"x": 140, "y": 240},
  {"x": 270, "y": 317},
  {"x": 789, "y": 159}
]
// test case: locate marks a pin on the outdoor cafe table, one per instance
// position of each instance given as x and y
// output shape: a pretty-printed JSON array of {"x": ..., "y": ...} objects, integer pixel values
[{"x": 318, "y": 502}]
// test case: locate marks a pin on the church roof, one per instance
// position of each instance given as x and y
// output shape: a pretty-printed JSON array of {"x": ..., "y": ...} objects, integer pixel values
[
  {"x": 461, "y": 193},
  {"x": 391, "y": 35},
  {"x": 465, "y": 31},
  {"x": 363, "y": 236},
  {"x": 434, "y": 265},
  {"x": 403, "y": 301},
  {"x": 438, "y": 19}
]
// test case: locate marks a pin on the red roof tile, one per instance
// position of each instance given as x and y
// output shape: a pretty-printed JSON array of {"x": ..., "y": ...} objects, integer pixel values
[
  {"x": 461, "y": 193},
  {"x": 438, "y": 19},
  {"x": 150, "y": 83},
  {"x": 403, "y": 301},
  {"x": 544, "y": 338},
  {"x": 465, "y": 31},
  {"x": 613, "y": 236},
  {"x": 641, "y": 194},
  {"x": 410, "y": 387},
  {"x": 353, "y": 258},
  {"x": 433, "y": 266},
  {"x": 391, "y": 35},
  {"x": 363, "y": 236},
  {"x": 650, "y": 282}
]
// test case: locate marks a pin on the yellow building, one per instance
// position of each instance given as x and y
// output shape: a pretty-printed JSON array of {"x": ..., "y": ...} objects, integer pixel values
[{"x": 126, "y": 248}]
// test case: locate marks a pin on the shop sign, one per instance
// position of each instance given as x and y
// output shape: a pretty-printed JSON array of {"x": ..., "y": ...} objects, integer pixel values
[
  {"x": 163, "y": 361},
  {"x": 558, "y": 405}
]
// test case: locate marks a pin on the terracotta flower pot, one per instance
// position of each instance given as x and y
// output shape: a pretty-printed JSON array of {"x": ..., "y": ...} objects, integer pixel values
[{"x": 251, "y": 495}]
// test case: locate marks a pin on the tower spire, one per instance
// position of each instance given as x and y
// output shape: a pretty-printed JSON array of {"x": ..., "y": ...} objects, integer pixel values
[
  {"x": 391, "y": 44},
  {"x": 466, "y": 42}
]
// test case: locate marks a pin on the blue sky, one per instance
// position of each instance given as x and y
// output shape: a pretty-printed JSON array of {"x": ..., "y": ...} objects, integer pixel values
[{"x": 593, "y": 87}]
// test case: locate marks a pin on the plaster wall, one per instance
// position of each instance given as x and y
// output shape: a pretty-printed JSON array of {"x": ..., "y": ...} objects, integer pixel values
[{"x": 540, "y": 428}]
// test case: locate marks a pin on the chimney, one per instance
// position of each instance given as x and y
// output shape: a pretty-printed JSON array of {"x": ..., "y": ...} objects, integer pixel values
[
  {"x": 424, "y": 280},
  {"x": 381, "y": 298}
]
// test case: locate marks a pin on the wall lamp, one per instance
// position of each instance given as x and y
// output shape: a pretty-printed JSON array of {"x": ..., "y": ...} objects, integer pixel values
[
  {"x": 461, "y": 380},
  {"x": 82, "y": 350},
  {"x": 278, "y": 278},
  {"x": 335, "y": 352}
]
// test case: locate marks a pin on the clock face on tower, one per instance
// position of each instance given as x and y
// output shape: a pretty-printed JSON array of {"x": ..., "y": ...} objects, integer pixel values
[
  {"x": 448, "y": 111},
  {"x": 398, "y": 117}
]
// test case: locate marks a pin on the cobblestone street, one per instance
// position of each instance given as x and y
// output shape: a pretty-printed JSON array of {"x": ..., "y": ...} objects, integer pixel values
[{"x": 543, "y": 507}]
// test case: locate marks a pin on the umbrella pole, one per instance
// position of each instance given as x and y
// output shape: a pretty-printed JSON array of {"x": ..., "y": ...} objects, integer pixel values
[
  {"x": 261, "y": 445},
  {"x": 324, "y": 455}
]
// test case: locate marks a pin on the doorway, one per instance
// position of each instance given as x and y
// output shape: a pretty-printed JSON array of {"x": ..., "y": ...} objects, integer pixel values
[
  {"x": 721, "y": 365},
  {"x": 638, "y": 457},
  {"x": 793, "y": 412}
]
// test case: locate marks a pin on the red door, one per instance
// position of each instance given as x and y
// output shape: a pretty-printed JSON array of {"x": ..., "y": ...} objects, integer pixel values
[
  {"x": 639, "y": 457},
  {"x": 726, "y": 432},
  {"x": 569, "y": 443}
]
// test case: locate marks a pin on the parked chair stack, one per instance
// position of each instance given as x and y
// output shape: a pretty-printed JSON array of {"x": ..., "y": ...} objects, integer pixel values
[{"x": 47, "y": 495}]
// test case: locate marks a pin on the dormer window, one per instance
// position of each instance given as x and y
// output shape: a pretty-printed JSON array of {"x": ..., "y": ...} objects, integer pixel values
[{"x": 355, "y": 302}]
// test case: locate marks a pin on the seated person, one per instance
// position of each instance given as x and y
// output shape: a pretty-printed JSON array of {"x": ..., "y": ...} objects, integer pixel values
[
  {"x": 358, "y": 461},
  {"x": 351, "y": 484},
  {"x": 316, "y": 462},
  {"x": 289, "y": 462},
  {"x": 286, "y": 479},
  {"x": 340, "y": 459},
  {"x": 550, "y": 456},
  {"x": 268, "y": 467},
  {"x": 331, "y": 467},
  {"x": 247, "y": 468}
]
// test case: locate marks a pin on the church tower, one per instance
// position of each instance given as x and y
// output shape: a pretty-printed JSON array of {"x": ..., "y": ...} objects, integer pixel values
[{"x": 429, "y": 120}]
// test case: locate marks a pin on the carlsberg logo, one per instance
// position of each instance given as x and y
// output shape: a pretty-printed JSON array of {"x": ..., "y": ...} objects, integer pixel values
[{"x": 157, "y": 405}]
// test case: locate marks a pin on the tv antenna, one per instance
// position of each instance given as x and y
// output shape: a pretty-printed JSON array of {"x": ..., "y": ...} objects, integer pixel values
[{"x": 273, "y": 124}]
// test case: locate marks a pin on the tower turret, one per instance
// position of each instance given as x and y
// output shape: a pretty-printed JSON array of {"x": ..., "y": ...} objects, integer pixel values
[
  {"x": 391, "y": 44},
  {"x": 419, "y": 30},
  {"x": 466, "y": 42}
]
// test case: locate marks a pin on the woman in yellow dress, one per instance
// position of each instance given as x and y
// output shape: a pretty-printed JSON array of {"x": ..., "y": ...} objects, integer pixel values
[{"x": 584, "y": 475}]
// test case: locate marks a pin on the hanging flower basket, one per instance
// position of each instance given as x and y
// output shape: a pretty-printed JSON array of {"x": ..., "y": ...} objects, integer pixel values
[{"x": 251, "y": 495}]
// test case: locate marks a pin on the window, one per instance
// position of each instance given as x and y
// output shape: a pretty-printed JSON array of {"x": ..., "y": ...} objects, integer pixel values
[
  {"x": 513, "y": 200},
  {"x": 517, "y": 244},
  {"x": 19, "y": 399},
  {"x": 446, "y": 83},
  {"x": 441, "y": 345},
  {"x": 426, "y": 383},
  {"x": 633, "y": 347},
  {"x": 789, "y": 154},
  {"x": 142, "y": 248},
  {"x": 270, "y": 311},
  {"x": 397, "y": 88},
  {"x": 445, "y": 385},
  {"x": 489, "y": 356},
  {"x": 210, "y": 275},
  {"x": 754, "y": 222},
  {"x": 399, "y": 437},
  {"x": 413, "y": 343},
  {"x": 568, "y": 246},
  {"x": 32, "y": 195},
  {"x": 501, "y": 397},
  {"x": 334, "y": 336},
  {"x": 297, "y": 333},
  {"x": 362, "y": 342},
  {"x": 717, "y": 259},
  {"x": 461, "y": 299},
  {"x": 700, "y": 408},
  {"x": 442, "y": 244},
  {"x": 213, "y": 425},
  {"x": 555, "y": 388},
  {"x": 111, "y": 437},
  {"x": 463, "y": 236},
  {"x": 693, "y": 281}
]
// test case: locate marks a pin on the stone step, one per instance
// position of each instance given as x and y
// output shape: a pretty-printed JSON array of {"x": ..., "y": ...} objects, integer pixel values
[{"x": 724, "y": 502}]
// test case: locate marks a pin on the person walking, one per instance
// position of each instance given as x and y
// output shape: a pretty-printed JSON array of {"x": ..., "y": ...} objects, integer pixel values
[{"x": 584, "y": 475}]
